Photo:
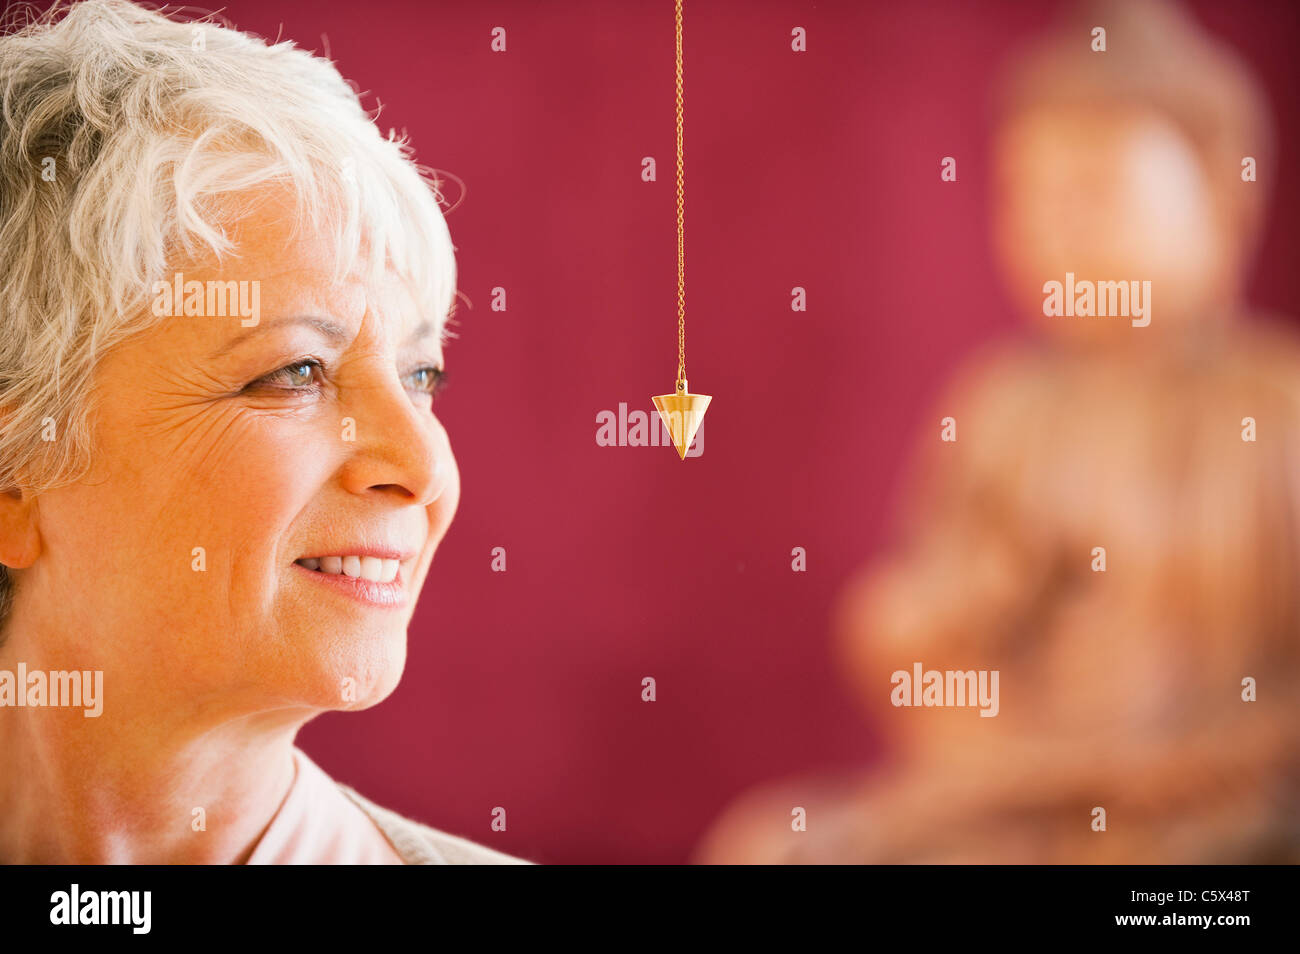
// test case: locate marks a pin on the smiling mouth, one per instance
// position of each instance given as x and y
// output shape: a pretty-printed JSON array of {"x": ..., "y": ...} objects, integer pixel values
[{"x": 373, "y": 569}]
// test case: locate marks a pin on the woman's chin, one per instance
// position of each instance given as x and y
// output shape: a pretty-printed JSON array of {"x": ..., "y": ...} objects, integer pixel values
[{"x": 358, "y": 679}]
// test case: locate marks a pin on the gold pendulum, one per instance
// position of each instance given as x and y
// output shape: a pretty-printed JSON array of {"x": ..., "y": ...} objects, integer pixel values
[{"x": 681, "y": 411}]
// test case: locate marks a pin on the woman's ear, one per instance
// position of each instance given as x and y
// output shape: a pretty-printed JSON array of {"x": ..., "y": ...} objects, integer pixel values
[{"x": 20, "y": 538}]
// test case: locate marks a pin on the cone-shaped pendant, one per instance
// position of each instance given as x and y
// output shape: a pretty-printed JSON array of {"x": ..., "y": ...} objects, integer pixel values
[{"x": 682, "y": 413}]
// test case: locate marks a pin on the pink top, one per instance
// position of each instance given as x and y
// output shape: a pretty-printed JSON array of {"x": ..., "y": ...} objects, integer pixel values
[{"x": 318, "y": 825}]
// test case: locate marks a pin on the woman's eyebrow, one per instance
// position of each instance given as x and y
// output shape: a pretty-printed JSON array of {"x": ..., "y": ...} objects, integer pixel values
[
  {"x": 422, "y": 330},
  {"x": 329, "y": 329}
]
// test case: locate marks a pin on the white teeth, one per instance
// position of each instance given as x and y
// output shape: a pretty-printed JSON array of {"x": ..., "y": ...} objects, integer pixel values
[{"x": 371, "y": 568}]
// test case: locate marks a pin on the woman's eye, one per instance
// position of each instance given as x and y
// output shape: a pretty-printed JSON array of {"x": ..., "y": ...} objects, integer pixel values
[
  {"x": 298, "y": 376},
  {"x": 306, "y": 374},
  {"x": 428, "y": 380}
]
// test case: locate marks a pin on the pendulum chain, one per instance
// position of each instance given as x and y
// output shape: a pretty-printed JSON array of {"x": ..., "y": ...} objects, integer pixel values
[
  {"x": 681, "y": 412},
  {"x": 681, "y": 228}
]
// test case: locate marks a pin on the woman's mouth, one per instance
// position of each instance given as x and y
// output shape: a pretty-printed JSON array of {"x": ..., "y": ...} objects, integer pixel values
[
  {"x": 369, "y": 579},
  {"x": 375, "y": 569}
]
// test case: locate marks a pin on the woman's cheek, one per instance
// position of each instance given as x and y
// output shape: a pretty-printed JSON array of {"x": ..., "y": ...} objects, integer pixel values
[{"x": 259, "y": 457}]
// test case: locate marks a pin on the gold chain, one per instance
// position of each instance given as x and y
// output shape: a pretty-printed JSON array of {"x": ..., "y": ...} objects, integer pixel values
[{"x": 681, "y": 228}]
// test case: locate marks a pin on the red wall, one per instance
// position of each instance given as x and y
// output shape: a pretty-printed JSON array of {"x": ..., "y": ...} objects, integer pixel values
[{"x": 819, "y": 169}]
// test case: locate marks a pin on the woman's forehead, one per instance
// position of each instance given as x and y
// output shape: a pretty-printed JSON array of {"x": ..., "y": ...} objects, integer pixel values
[
  {"x": 293, "y": 267},
  {"x": 266, "y": 305}
]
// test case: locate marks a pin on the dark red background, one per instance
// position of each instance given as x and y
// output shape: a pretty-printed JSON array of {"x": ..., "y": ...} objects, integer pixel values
[{"x": 817, "y": 169}]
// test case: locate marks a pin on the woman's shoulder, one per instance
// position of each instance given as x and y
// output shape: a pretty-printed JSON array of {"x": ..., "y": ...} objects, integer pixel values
[{"x": 419, "y": 844}]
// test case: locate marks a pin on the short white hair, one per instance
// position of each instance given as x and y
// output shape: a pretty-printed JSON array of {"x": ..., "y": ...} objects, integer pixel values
[{"x": 124, "y": 136}]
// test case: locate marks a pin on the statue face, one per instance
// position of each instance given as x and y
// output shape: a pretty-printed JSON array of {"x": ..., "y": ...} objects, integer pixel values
[{"x": 1109, "y": 196}]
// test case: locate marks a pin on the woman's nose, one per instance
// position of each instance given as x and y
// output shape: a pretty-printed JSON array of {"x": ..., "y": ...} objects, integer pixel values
[{"x": 395, "y": 446}]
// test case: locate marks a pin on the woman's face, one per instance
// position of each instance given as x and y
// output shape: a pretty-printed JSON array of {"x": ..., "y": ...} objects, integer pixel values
[{"x": 309, "y": 435}]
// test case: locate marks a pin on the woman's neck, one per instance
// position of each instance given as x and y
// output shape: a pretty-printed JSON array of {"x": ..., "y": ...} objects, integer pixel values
[{"x": 137, "y": 783}]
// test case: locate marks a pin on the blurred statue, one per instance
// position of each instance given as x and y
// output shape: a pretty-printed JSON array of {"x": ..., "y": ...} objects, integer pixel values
[{"x": 1116, "y": 529}]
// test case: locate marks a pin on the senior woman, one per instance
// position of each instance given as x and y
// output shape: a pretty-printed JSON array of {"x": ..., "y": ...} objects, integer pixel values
[{"x": 224, "y": 301}]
